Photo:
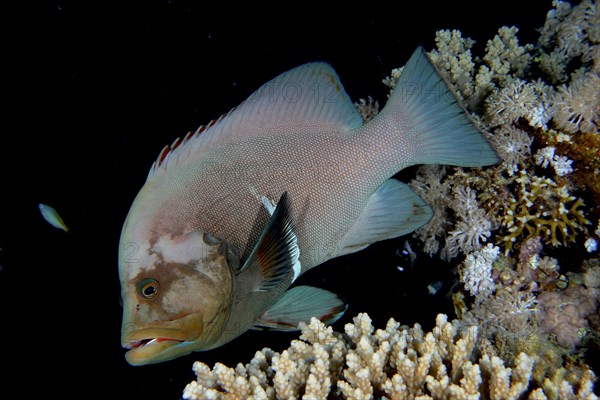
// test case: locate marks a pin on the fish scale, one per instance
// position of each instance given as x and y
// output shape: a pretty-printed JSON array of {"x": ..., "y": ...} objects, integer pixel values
[{"x": 230, "y": 188}]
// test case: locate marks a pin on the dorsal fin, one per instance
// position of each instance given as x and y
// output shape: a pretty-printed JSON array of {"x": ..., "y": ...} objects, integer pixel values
[
  {"x": 181, "y": 149},
  {"x": 307, "y": 98}
]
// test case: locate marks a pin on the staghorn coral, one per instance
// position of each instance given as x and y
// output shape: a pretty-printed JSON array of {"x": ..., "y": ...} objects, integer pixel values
[
  {"x": 393, "y": 363},
  {"x": 543, "y": 209}
]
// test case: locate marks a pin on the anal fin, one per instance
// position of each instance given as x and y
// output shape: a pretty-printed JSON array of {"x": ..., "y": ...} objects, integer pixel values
[
  {"x": 300, "y": 304},
  {"x": 392, "y": 210}
]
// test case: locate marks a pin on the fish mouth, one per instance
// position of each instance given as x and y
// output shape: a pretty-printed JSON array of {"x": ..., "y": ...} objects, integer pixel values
[
  {"x": 163, "y": 341},
  {"x": 136, "y": 344},
  {"x": 152, "y": 347}
]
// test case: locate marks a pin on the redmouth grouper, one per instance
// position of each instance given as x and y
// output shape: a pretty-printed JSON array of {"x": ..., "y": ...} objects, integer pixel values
[{"x": 231, "y": 215}]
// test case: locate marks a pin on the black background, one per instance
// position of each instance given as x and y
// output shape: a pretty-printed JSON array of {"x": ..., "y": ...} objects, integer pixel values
[{"x": 96, "y": 89}]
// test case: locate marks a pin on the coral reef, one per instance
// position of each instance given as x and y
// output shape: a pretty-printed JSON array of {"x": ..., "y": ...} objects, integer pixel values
[
  {"x": 533, "y": 307},
  {"x": 393, "y": 363},
  {"x": 540, "y": 104},
  {"x": 530, "y": 100}
]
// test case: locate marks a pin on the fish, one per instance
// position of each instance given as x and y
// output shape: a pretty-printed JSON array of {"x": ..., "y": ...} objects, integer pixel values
[
  {"x": 52, "y": 217},
  {"x": 230, "y": 216},
  {"x": 434, "y": 287}
]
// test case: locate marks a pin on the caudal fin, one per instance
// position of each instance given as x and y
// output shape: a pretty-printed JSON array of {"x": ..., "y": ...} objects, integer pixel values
[{"x": 428, "y": 116}]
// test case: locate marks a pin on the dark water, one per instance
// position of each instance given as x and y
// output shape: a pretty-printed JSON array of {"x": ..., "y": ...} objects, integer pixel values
[{"x": 100, "y": 89}]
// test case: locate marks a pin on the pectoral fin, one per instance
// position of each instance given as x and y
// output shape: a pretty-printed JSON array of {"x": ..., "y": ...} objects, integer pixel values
[
  {"x": 300, "y": 304},
  {"x": 276, "y": 253}
]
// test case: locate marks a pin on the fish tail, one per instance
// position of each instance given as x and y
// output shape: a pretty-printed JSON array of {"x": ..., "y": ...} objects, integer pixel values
[{"x": 430, "y": 124}]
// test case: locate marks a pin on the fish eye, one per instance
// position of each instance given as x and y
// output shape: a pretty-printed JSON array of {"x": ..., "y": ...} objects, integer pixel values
[{"x": 149, "y": 288}]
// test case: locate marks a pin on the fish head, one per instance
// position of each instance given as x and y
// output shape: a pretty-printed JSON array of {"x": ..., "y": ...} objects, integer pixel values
[{"x": 176, "y": 291}]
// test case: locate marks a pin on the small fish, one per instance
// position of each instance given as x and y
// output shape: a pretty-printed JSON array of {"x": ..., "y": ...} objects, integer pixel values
[
  {"x": 52, "y": 217},
  {"x": 231, "y": 215},
  {"x": 434, "y": 287}
]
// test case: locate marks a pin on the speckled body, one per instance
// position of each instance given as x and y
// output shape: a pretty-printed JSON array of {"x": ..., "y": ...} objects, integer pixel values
[
  {"x": 314, "y": 170},
  {"x": 311, "y": 144}
]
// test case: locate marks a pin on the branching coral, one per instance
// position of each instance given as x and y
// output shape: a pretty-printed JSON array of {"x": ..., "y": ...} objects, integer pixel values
[
  {"x": 542, "y": 118},
  {"x": 504, "y": 56},
  {"x": 453, "y": 57},
  {"x": 507, "y": 315},
  {"x": 543, "y": 209},
  {"x": 393, "y": 363}
]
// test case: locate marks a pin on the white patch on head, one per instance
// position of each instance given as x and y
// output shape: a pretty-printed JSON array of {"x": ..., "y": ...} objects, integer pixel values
[
  {"x": 190, "y": 249},
  {"x": 180, "y": 249},
  {"x": 134, "y": 257}
]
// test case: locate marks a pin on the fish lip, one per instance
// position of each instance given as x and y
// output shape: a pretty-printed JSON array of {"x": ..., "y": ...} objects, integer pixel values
[
  {"x": 148, "y": 349},
  {"x": 153, "y": 336},
  {"x": 152, "y": 351},
  {"x": 161, "y": 341}
]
